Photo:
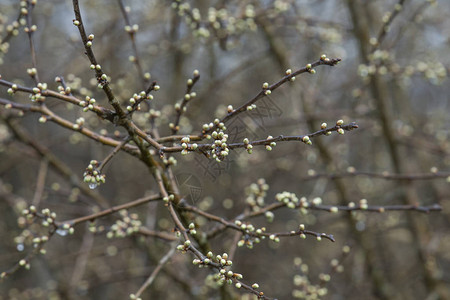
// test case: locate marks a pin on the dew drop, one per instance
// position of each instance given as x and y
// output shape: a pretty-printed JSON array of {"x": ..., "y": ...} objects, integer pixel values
[
  {"x": 20, "y": 247},
  {"x": 360, "y": 226},
  {"x": 62, "y": 232},
  {"x": 92, "y": 186}
]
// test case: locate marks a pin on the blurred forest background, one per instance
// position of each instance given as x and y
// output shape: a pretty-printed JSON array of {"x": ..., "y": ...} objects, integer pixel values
[{"x": 392, "y": 81}]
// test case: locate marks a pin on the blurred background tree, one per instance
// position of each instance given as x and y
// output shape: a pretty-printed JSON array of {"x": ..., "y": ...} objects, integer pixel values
[{"x": 392, "y": 81}]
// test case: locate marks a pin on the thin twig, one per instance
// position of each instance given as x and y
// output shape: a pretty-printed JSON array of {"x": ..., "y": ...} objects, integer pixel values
[
  {"x": 384, "y": 175},
  {"x": 161, "y": 235},
  {"x": 55, "y": 162},
  {"x": 40, "y": 182},
  {"x": 81, "y": 260},
  {"x": 132, "y": 35},
  {"x": 111, "y": 210},
  {"x": 180, "y": 110},
  {"x": 233, "y": 225},
  {"x": 265, "y": 142},
  {"x": 264, "y": 91},
  {"x": 98, "y": 70},
  {"x": 155, "y": 272},
  {"x": 398, "y": 7},
  {"x": 50, "y": 116},
  {"x": 114, "y": 152},
  {"x": 30, "y": 33}
]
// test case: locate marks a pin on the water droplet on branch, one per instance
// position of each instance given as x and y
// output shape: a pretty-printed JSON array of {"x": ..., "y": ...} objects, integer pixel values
[
  {"x": 62, "y": 232},
  {"x": 20, "y": 247}
]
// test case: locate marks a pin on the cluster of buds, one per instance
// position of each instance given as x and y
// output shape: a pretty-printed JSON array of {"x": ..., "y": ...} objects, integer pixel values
[
  {"x": 24, "y": 263},
  {"x": 192, "y": 230},
  {"x": 339, "y": 123},
  {"x": 270, "y": 146},
  {"x": 135, "y": 101},
  {"x": 251, "y": 234},
  {"x": 206, "y": 127},
  {"x": 191, "y": 95},
  {"x": 221, "y": 260},
  {"x": 310, "y": 69},
  {"x": 289, "y": 199},
  {"x": 434, "y": 71},
  {"x": 169, "y": 198},
  {"x": 13, "y": 29},
  {"x": 195, "y": 76},
  {"x": 37, "y": 92},
  {"x": 32, "y": 72},
  {"x": 274, "y": 237},
  {"x": 266, "y": 89},
  {"x": 306, "y": 140},
  {"x": 65, "y": 229},
  {"x": 48, "y": 217},
  {"x": 289, "y": 73},
  {"x": 184, "y": 247},
  {"x": 324, "y": 126},
  {"x": 282, "y": 6},
  {"x": 131, "y": 29},
  {"x": 218, "y": 21},
  {"x": 363, "y": 205},
  {"x": 185, "y": 144},
  {"x": 88, "y": 104},
  {"x": 219, "y": 148},
  {"x": 103, "y": 80},
  {"x": 63, "y": 90},
  {"x": 171, "y": 161},
  {"x": 78, "y": 123},
  {"x": 337, "y": 266},
  {"x": 225, "y": 275},
  {"x": 269, "y": 216},
  {"x": 92, "y": 175},
  {"x": 96, "y": 67},
  {"x": 192, "y": 18},
  {"x": 27, "y": 237},
  {"x": 89, "y": 42},
  {"x": 256, "y": 193},
  {"x": 128, "y": 225},
  {"x": 301, "y": 229},
  {"x": 251, "y": 107},
  {"x": 37, "y": 239},
  {"x": 13, "y": 89},
  {"x": 182, "y": 8},
  {"x": 182, "y": 107},
  {"x": 380, "y": 56},
  {"x": 318, "y": 201},
  {"x": 365, "y": 70},
  {"x": 94, "y": 228},
  {"x": 248, "y": 146},
  {"x": 24, "y": 6},
  {"x": 152, "y": 113},
  {"x": 324, "y": 58},
  {"x": 306, "y": 290}
]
